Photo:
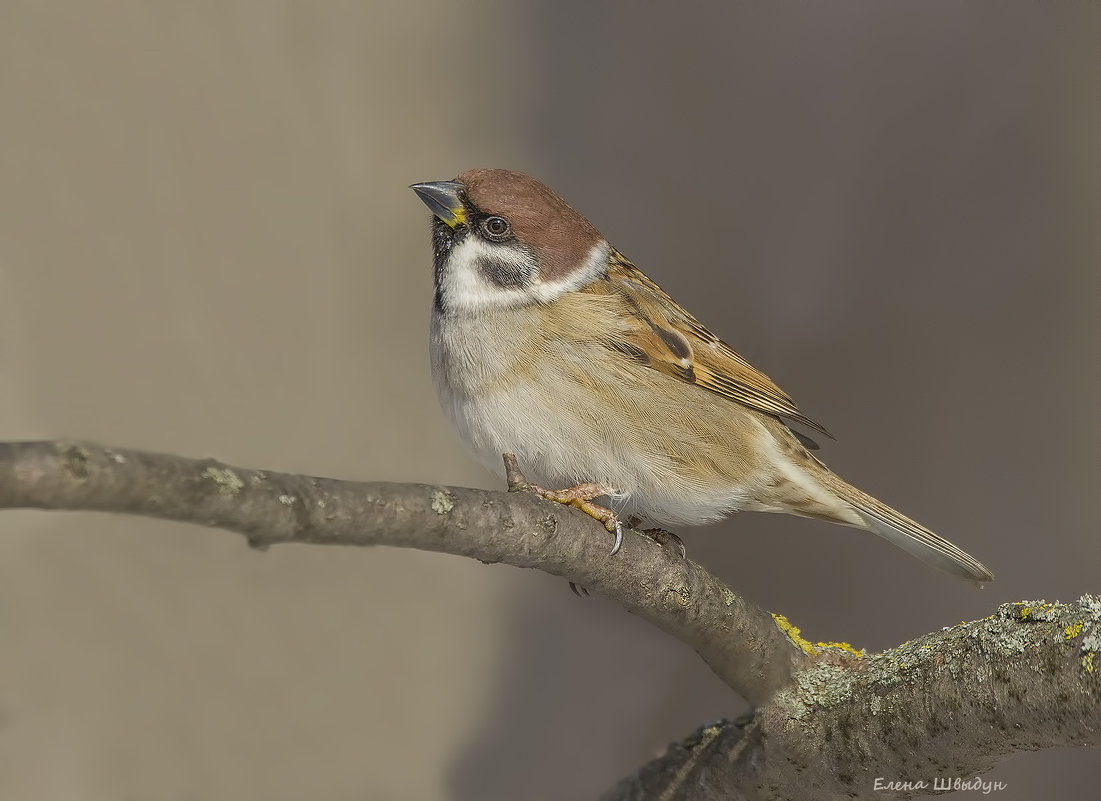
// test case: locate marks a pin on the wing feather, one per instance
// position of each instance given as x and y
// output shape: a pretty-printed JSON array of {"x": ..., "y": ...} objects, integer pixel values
[{"x": 677, "y": 344}]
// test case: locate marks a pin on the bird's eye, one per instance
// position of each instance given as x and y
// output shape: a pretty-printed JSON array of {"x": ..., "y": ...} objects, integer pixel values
[{"x": 496, "y": 228}]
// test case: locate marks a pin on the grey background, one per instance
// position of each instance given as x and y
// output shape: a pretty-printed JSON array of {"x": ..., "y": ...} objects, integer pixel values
[{"x": 207, "y": 247}]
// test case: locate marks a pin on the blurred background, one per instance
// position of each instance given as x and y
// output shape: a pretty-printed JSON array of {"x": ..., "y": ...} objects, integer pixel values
[{"x": 207, "y": 247}]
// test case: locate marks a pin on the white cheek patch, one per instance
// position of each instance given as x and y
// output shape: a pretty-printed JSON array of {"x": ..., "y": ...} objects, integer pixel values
[{"x": 466, "y": 283}]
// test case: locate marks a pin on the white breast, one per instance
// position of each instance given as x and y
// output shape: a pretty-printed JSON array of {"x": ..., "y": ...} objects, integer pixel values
[{"x": 484, "y": 387}]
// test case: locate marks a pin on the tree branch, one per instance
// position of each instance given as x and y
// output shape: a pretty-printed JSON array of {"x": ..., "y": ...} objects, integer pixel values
[
  {"x": 738, "y": 640},
  {"x": 829, "y": 722},
  {"x": 944, "y": 707}
]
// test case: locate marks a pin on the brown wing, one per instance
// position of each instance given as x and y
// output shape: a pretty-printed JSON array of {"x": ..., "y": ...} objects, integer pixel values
[{"x": 668, "y": 339}]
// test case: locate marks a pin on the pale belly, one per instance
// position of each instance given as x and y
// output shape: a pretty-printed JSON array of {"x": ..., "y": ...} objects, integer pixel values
[{"x": 670, "y": 467}]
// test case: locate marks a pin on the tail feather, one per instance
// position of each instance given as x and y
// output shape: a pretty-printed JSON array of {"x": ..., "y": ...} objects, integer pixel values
[{"x": 911, "y": 536}]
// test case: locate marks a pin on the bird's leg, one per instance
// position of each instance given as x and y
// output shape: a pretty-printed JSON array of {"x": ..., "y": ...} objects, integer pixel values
[{"x": 579, "y": 497}]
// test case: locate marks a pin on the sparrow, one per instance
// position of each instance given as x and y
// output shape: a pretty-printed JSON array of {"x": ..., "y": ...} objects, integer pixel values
[{"x": 549, "y": 344}]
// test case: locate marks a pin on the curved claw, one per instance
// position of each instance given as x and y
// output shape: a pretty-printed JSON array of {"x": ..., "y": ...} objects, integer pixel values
[{"x": 618, "y": 537}]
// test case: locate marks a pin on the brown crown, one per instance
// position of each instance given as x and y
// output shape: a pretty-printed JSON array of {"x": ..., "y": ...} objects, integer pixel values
[{"x": 561, "y": 237}]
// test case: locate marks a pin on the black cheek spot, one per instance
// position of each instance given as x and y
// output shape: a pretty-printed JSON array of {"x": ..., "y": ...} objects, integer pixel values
[{"x": 503, "y": 273}]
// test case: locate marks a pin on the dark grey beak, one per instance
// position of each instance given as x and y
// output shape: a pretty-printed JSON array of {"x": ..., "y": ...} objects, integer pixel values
[{"x": 443, "y": 199}]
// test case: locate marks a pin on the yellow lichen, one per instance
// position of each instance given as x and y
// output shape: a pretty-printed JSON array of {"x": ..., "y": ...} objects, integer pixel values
[
  {"x": 1087, "y": 662},
  {"x": 1033, "y": 612},
  {"x": 792, "y": 631},
  {"x": 793, "y": 634},
  {"x": 844, "y": 646},
  {"x": 1073, "y": 630}
]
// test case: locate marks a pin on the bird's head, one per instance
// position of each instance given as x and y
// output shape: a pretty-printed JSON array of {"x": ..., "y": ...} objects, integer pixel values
[{"x": 502, "y": 239}]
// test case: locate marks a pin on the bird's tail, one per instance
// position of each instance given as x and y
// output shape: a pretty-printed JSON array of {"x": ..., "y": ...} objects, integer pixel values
[{"x": 910, "y": 536}]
